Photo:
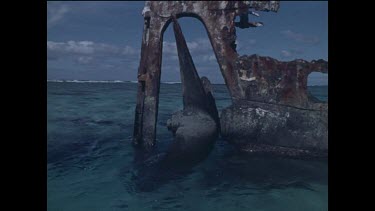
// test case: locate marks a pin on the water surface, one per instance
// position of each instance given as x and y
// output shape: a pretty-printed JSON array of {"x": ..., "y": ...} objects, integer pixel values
[{"x": 90, "y": 160}]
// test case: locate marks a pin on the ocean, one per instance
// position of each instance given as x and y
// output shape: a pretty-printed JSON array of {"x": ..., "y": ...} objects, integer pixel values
[{"x": 90, "y": 160}]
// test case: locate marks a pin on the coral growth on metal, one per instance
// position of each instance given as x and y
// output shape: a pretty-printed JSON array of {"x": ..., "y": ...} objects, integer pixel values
[{"x": 218, "y": 18}]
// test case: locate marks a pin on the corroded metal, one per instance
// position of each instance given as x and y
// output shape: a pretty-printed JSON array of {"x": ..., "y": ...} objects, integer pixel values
[
  {"x": 268, "y": 80},
  {"x": 218, "y": 18},
  {"x": 195, "y": 92},
  {"x": 272, "y": 110}
]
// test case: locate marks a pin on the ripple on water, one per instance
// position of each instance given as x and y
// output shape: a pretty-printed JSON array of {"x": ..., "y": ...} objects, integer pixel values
[{"x": 91, "y": 163}]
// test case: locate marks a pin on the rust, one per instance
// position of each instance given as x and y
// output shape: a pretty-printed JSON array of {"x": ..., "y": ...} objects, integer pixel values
[
  {"x": 220, "y": 29},
  {"x": 251, "y": 78}
]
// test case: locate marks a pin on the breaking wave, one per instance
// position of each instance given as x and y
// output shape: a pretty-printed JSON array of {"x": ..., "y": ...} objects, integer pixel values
[{"x": 170, "y": 82}]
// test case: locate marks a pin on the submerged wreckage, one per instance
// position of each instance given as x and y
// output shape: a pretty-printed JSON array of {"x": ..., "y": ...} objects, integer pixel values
[{"x": 272, "y": 111}]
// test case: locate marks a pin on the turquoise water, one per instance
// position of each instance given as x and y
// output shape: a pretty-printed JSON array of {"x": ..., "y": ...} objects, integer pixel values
[{"x": 90, "y": 160}]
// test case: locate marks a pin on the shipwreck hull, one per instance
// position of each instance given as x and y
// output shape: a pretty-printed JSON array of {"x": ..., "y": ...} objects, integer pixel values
[
  {"x": 263, "y": 128},
  {"x": 278, "y": 114},
  {"x": 272, "y": 111}
]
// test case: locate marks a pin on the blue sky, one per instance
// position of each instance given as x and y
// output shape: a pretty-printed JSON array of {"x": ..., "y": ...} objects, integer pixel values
[{"x": 101, "y": 40}]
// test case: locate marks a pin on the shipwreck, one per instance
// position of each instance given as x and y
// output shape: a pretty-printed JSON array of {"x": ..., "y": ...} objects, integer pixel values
[{"x": 272, "y": 111}]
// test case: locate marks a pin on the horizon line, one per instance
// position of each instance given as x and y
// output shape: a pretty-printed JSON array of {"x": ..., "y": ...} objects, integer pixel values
[{"x": 129, "y": 81}]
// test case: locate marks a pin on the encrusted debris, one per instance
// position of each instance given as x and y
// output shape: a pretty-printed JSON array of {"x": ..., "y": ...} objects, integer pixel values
[
  {"x": 218, "y": 18},
  {"x": 271, "y": 104}
]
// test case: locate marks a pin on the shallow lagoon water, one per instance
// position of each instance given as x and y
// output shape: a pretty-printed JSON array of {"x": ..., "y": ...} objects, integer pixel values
[{"x": 90, "y": 160}]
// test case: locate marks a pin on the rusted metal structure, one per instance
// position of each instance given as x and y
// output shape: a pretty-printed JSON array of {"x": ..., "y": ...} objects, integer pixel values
[
  {"x": 263, "y": 89},
  {"x": 265, "y": 79},
  {"x": 218, "y": 17}
]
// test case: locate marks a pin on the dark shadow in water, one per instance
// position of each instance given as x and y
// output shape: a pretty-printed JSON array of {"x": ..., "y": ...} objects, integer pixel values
[
  {"x": 259, "y": 174},
  {"x": 154, "y": 169},
  {"x": 227, "y": 169}
]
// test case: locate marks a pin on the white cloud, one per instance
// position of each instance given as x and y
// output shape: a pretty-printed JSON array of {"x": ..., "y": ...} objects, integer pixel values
[
  {"x": 300, "y": 37},
  {"x": 84, "y": 59},
  {"x": 129, "y": 51},
  {"x": 200, "y": 47},
  {"x": 56, "y": 14},
  {"x": 82, "y": 47},
  {"x": 209, "y": 58},
  {"x": 169, "y": 48},
  {"x": 285, "y": 53},
  {"x": 193, "y": 46},
  {"x": 89, "y": 52},
  {"x": 294, "y": 52},
  {"x": 88, "y": 48}
]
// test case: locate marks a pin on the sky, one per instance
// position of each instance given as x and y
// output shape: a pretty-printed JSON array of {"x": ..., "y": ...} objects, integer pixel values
[{"x": 94, "y": 40}]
